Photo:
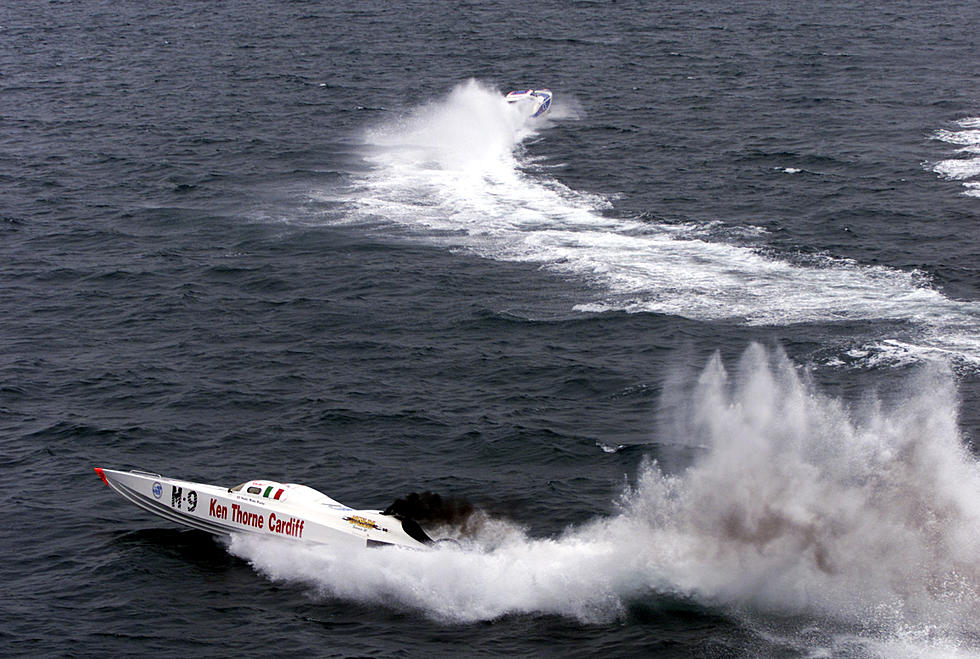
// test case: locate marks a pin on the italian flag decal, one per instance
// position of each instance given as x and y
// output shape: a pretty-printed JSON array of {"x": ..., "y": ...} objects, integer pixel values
[{"x": 268, "y": 490}]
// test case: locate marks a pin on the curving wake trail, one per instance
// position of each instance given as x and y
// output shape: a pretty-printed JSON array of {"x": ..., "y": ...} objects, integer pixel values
[{"x": 456, "y": 173}]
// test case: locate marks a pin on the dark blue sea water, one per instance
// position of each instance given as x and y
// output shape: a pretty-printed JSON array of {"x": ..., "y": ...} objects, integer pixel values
[{"x": 702, "y": 345}]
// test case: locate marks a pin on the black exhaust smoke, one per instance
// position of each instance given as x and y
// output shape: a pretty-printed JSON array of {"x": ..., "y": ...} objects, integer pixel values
[{"x": 432, "y": 509}]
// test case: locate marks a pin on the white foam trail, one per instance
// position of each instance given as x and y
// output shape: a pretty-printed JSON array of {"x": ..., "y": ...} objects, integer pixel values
[
  {"x": 958, "y": 168},
  {"x": 858, "y": 521},
  {"x": 455, "y": 173},
  {"x": 965, "y": 137},
  {"x": 964, "y": 167}
]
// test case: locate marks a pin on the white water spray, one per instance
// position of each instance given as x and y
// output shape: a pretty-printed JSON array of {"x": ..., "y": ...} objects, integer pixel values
[{"x": 861, "y": 517}]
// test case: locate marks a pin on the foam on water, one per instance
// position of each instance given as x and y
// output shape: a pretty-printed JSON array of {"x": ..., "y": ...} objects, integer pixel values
[
  {"x": 959, "y": 168},
  {"x": 456, "y": 173},
  {"x": 966, "y": 166},
  {"x": 861, "y": 522}
]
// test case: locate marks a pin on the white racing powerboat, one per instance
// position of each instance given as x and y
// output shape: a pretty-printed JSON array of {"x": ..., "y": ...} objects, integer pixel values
[
  {"x": 537, "y": 100},
  {"x": 281, "y": 510}
]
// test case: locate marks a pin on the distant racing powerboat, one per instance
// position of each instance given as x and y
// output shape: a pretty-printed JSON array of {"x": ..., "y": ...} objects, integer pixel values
[
  {"x": 263, "y": 507},
  {"x": 538, "y": 100}
]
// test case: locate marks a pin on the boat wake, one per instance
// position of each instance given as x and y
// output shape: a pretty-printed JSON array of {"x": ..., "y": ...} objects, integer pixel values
[
  {"x": 966, "y": 167},
  {"x": 854, "y": 525},
  {"x": 458, "y": 174}
]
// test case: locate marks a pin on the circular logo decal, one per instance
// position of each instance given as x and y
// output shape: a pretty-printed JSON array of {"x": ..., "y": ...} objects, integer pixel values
[{"x": 157, "y": 490}]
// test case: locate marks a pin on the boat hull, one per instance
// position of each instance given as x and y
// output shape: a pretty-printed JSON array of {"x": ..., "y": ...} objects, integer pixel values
[
  {"x": 538, "y": 100},
  {"x": 220, "y": 511}
]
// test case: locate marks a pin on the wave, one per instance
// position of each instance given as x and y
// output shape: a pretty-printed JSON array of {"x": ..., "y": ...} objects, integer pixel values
[
  {"x": 457, "y": 173},
  {"x": 831, "y": 522}
]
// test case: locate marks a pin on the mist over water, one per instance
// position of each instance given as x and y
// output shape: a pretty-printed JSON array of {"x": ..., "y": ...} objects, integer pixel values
[
  {"x": 458, "y": 172},
  {"x": 861, "y": 519}
]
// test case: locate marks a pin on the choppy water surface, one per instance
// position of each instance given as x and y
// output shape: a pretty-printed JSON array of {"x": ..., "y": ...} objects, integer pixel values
[{"x": 701, "y": 345}]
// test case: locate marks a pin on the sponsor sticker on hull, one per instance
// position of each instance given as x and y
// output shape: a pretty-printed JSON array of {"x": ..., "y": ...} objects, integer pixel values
[
  {"x": 364, "y": 523},
  {"x": 287, "y": 526}
]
